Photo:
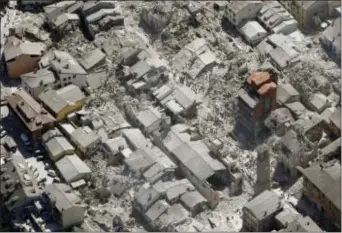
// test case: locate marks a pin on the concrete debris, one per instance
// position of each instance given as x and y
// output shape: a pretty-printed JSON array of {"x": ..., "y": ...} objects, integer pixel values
[{"x": 162, "y": 77}]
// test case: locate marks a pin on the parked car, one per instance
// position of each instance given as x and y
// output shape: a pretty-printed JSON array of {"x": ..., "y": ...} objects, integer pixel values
[
  {"x": 3, "y": 133},
  {"x": 25, "y": 139},
  {"x": 38, "y": 152}
]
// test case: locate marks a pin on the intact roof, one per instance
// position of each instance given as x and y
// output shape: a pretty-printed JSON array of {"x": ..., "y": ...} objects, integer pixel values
[
  {"x": 64, "y": 18},
  {"x": 71, "y": 166},
  {"x": 83, "y": 138},
  {"x": 50, "y": 134},
  {"x": 160, "y": 157},
  {"x": 71, "y": 93},
  {"x": 52, "y": 100},
  {"x": 66, "y": 64},
  {"x": 193, "y": 161},
  {"x": 64, "y": 199},
  {"x": 191, "y": 199},
  {"x": 135, "y": 138},
  {"x": 303, "y": 224},
  {"x": 31, "y": 113},
  {"x": 38, "y": 78},
  {"x": 139, "y": 160},
  {"x": 176, "y": 191},
  {"x": 24, "y": 48},
  {"x": 115, "y": 143},
  {"x": 58, "y": 145},
  {"x": 156, "y": 210},
  {"x": 185, "y": 96},
  {"x": 285, "y": 92},
  {"x": 252, "y": 29},
  {"x": 237, "y": 6},
  {"x": 92, "y": 59},
  {"x": 149, "y": 116},
  {"x": 327, "y": 180},
  {"x": 264, "y": 205},
  {"x": 297, "y": 108},
  {"x": 246, "y": 98}
]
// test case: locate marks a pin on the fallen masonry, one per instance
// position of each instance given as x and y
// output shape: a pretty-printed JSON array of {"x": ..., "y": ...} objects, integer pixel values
[{"x": 170, "y": 116}]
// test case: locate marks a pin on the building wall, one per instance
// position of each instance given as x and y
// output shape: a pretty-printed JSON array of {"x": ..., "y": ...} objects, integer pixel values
[
  {"x": 21, "y": 65},
  {"x": 336, "y": 131},
  {"x": 155, "y": 126},
  {"x": 250, "y": 223},
  {"x": 70, "y": 109},
  {"x": 249, "y": 12},
  {"x": 61, "y": 155},
  {"x": 72, "y": 216},
  {"x": 316, "y": 196},
  {"x": 304, "y": 17},
  {"x": 76, "y": 79},
  {"x": 320, "y": 8},
  {"x": 35, "y": 91}
]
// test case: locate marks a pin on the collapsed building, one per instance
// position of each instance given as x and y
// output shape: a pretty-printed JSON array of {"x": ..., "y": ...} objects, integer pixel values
[
  {"x": 146, "y": 69},
  {"x": 256, "y": 100},
  {"x": 169, "y": 205},
  {"x": 194, "y": 58}
]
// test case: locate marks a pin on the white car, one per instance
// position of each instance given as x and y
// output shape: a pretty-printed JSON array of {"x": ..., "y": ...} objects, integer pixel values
[{"x": 3, "y": 133}]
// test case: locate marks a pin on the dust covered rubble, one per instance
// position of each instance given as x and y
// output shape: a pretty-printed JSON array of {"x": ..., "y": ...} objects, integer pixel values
[{"x": 217, "y": 86}]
